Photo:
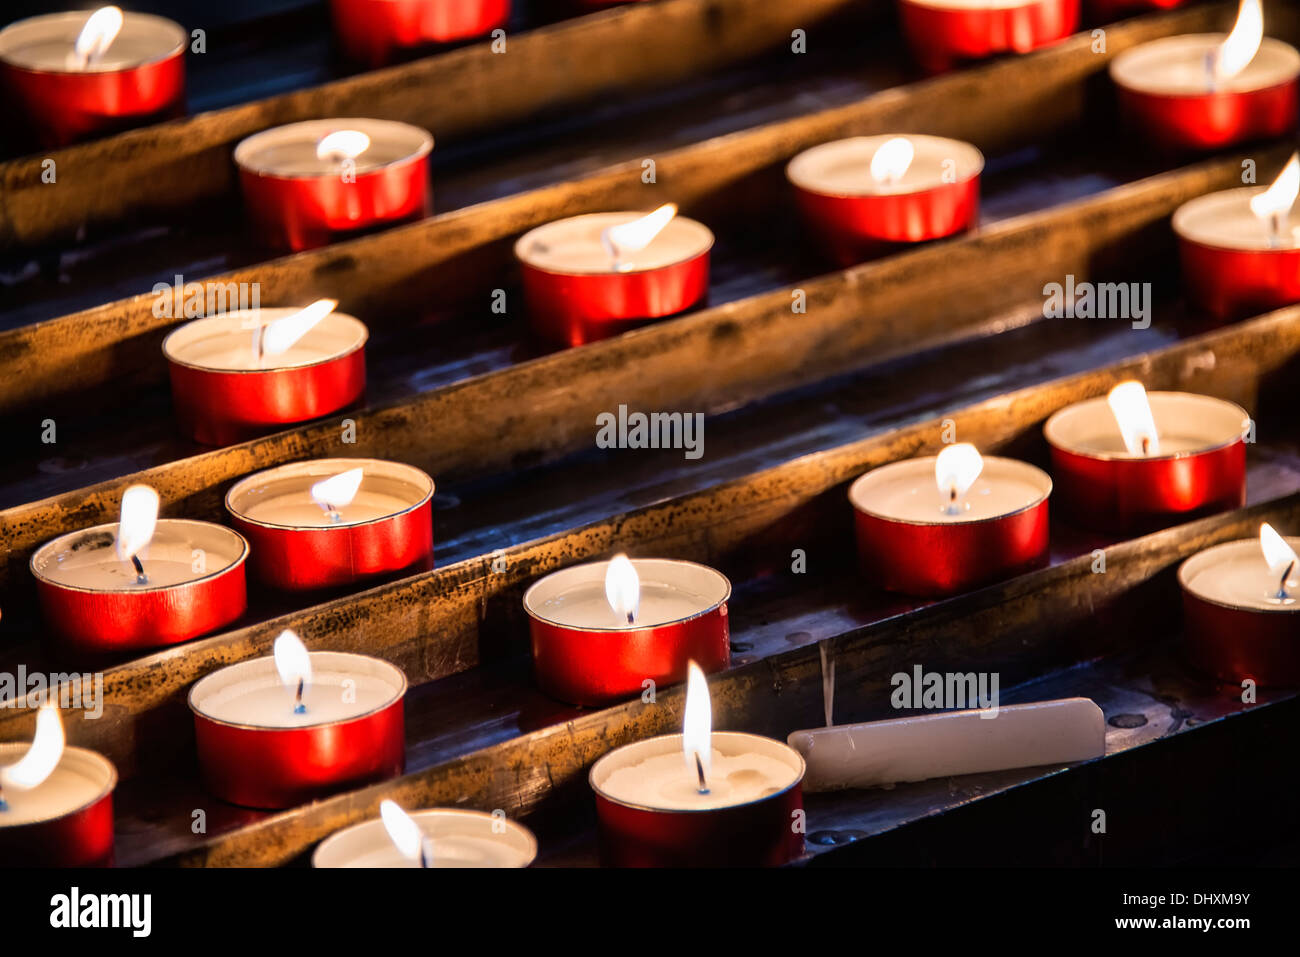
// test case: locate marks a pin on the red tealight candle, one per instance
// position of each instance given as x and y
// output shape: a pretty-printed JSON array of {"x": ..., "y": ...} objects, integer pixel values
[
  {"x": 700, "y": 798},
  {"x": 942, "y": 33},
  {"x": 593, "y": 276},
  {"x": 1240, "y": 614},
  {"x": 140, "y": 583},
  {"x": 862, "y": 196},
  {"x": 601, "y": 630},
  {"x": 1208, "y": 91},
  {"x": 283, "y": 730},
  {"x": 245, "y": 372},
  {"x": 943, "y": 524},
  {"x": 70, "y": 76},
  {"x": 376, "y": 32},
  {"x": 437, "y": 837},
  {"x": 56, "y": 802},
  {"x": 333, "y": 522},
  {"x": 1240, "y": 248},
  {"x": 307, "y": 184},
  {"x": 1134, "y": 461}
]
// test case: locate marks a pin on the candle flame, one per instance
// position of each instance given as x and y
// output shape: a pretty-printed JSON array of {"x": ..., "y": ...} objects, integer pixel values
[
  {"x": 342, "y": 145},
  {"x": 697, "y": 725},
  {"x": 1236, "y": 52},
  {"x": 1132, "y": 410},
  {"x": 280, "y": 336},
  {"x": 622, "y": 588},
  {"x": 138, "y": 520},
  {"x": 407, "y": 836},
  {"x": 1277, "y": 553},
  {"x": 337, "y": 490},
  {"x": 1274, "y": 204},
  {"x": 639, "y": 233},
  {"x": 42, "y": 757},
  {"x": 956, "y": 468},
  {"x": 892, "y": 160},
  {"x": 101, "y": 29},
  {"x": 292, "y": 660}
]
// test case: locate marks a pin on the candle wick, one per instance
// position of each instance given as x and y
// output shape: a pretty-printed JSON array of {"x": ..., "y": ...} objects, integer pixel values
[
  {"x": 299, "y": 707},
  {"x": 261, "y": 345},
  {"x": 1281, "y": 587},
  {"x": 1146, "y": 445},
  {"x": 1275, "y": 230},
  {"x": 140, "y": 577},
  {"x": 631, "y": 617},
  {"x": 1212, "y": 69},
  {"x": 332, "y": 513},
  {"x": 4, "y": 805},
  {"x": 699, "y": 770},
  {"x": 426, "y": 852}
]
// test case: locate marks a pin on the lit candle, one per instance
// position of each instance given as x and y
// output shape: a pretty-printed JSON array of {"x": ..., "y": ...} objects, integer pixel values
[
  {"x": 332, "y": 522},
  {"x": 862, "y": 195},
  {"x": 441, "y": 837},
  {"x": 308, "y": 183},
  {"x": 1240, "y": 248},
  {"x": 1135, "y": 460},
  {"x": 243, "y": 372},
  {"x": 294, "y": 726},
  {"x": 700, "y": 797},
  {"x": 142, "y": 582},
  {"x": 940, "y": 745},
  {"x": 1240, "y": 609},
  {"x": 72, "y": 76},
  {"x": 943, "y": 33},
  {"x": 600, "y": 631},
  {"x": 56, "y": 802},
  {"x": 941, "y": 524},
  {"x": 1208, "y": 91},
  {"x": 377, "y": 32},
  {"x": 592, "y": 276}
]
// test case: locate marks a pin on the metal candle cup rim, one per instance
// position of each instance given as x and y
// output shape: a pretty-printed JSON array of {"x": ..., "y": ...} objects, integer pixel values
[
  {"x": 638, "y": 563},
  {"x": 418, "y": 477},
  {"x": 793, "y": 176},
  {"x": 110, "y": 528},
  {"x": 1185, "y": 211},
  {"x": 855, "y": 492},
  {"x": 1129, "y": 56},
  {"x": 80, "y": 17},
  {"x": 520, "y": 830},
  {"x": 524, "y": 260},
  {"x": 800, "y": 772},
  {"x": 364, "y": 337},
  {"x": 91, "y": 761},
  {"x": 250, "y": 143},
  {"x": 1189, "y": 566},
  {"x": 1057, "y": 443},
  {"x": 248, "y": 664}
]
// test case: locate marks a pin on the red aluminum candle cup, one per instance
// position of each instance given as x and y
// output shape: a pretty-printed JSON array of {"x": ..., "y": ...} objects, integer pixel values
[
  {"x": 908, "y": 543},
  {"x": 140, "y": 79},
  {"x": 224, "y": 394},
  {"x": 376, "y": 32},
  {"x": 856, "y": 216},
  {"x": 942, "y": 33},
  {"x": 1166, "y": 96},
  {"x": 1232, "y": 266},
  {"x": 298, "y": 201},
  {"x": 1234, "y": 623},
  {"x": 255, "y": 752},
  {"x": 1101, "y": 486},
  {"x": 459, "y": 838},
  {"x": 575, "y": 293},
  {"x": 387, "y": 528},
  {"x": 92, "y": 604},
  {"x": 638, "y": 830},
  {"x": 67, "y": 820},
  {"x": 582, "y": 654}
]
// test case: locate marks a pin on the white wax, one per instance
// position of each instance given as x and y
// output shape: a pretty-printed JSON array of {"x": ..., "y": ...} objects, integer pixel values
[
  {"x": 917, "y": 748},
  {"x": 843, "y": 167},
  {"x": 1176, "y": 66},
  {"x": 574, "y": 245},
  {"x": 906, "y": 491},
  {"x": 1236, "y": 574},
  {"x": 1185, "y": 422},
  {"x": 45, "y": 42},
  {"x": 1225, "y": 219},
  {"x": 290, "y": 150},
  {"x": 670, "y": 591},
  {"x": 459, "y": 839},
  {"x": 343, "y": 686},
  {"x": 227, "y": 342},
  {"x": 80, "y": 778},
  {"x": 88, "y": 559},
  {"x": 281, "y": 497},
  {"x": 654, "y": 773}
]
